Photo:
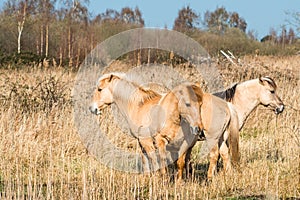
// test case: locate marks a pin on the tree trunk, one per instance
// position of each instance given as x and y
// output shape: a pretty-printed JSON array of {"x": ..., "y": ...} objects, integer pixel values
[
  {"x": 47, "y": 40},
  {"x": 37, "y": 47},
  {"x": 78, "y": 57},
  {"x": 20, "y": 30},
  {"x": 60, "y": 56},
  {"x": 21, "y": 26},
  {"x": 42, "y": 40},
  {"x": 70, "y": 47}
]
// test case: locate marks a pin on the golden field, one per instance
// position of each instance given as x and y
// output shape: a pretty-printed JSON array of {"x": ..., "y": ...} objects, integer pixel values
[{"x": 43, "y": 157}]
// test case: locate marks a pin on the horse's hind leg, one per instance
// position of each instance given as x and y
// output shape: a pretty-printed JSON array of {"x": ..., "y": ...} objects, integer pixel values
[
  {"x": 188, "y": 164},
  {"x": 213, "y": 159},
  {"x": 181, "y": 164},
  {"x": 224, "y": 152}
]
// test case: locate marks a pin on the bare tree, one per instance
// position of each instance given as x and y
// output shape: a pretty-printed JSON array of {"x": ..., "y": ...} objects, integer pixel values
[
  {"x": 187, "y": 19},
  {"x": 283, "y": 37},
  {"x": 138, "y": 17},
  {"x": 291, "y": 36},
  {"x": 75, "y": 13},
  {"x": 237, "y": 22},
  {"x": 20, "y": 10},
  {"x": 219, "y": 20},
  {"x": 21, "y": 21},
  {"x": 109, "y": 15},
  {"x": 252, "y": 34},
  {"x": 294, "y": 20},
  {"x": 45, "y": 9}
]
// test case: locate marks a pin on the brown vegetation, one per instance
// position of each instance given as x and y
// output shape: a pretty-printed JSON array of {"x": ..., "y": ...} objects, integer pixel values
[
  {"x": 33, "y": 31},
  {"x": 42, "y": 156}
]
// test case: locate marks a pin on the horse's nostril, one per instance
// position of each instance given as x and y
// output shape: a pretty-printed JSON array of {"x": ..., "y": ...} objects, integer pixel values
[
  {"x": 279, "y": 109},
  {"x": 93, "y": 109}
]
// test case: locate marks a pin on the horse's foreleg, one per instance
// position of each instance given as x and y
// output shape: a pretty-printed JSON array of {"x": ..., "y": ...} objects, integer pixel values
[
  {"x": 161, "y": 143},
  {"x": 213, "y": 159},
  {"x": 145, "y": 160},
  {"x": 180, "y": 166},
  {"x": 150, "y": 158}
]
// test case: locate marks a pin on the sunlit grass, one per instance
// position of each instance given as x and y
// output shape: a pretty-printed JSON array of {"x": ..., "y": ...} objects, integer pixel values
[{"x": 42, "y": 156}]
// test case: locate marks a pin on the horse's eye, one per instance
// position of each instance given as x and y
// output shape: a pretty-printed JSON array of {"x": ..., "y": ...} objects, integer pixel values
[
  {"x": 188, "y": 104},
  {"x": 99, "y": 89},
  {"x": 272, "y": 92}
]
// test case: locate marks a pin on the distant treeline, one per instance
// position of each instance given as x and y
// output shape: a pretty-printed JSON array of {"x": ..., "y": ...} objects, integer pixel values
[{"x": 63, "y": 32}]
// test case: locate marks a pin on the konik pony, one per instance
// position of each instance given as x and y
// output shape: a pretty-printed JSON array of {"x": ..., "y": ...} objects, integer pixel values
[
  {"x": 154, "y": 119},
  {"x": 220, "y": 123},
  {"x": 245, "y": 97}
]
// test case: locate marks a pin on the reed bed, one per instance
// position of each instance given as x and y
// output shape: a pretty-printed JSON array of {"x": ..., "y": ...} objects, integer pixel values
[{"x": 43, "y": 157}]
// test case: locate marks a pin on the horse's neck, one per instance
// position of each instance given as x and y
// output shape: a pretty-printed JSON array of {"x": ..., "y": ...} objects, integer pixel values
[
  {"x": 123, "y": 108},
  {"x": 122, "y": 98},
  {"x": 125, "y": 111},
  {"x": 245, "y": 101},
  {"x": 128, "y": 99}
]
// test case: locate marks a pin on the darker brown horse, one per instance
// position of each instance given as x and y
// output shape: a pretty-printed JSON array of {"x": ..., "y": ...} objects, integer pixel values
[
  {"x": 220, "y": 122},
  {"x": 154, "y": 119}
]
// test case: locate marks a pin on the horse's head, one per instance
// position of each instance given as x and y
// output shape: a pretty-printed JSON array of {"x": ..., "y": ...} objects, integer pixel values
[
  {"x": 268, "y": 96},
  {"x": 103, "y": 94},
  {"x": 190, "y": 101}
]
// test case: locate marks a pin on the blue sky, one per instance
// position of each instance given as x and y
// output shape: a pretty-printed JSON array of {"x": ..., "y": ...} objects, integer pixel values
[{"x": 260, "y": 15}]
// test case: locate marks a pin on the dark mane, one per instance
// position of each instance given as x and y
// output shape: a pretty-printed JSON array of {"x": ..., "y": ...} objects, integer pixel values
[{"x": 228, "y": 94}]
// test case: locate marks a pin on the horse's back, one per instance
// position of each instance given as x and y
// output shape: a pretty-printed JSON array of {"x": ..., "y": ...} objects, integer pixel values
[{"x": 215, "y": 114}]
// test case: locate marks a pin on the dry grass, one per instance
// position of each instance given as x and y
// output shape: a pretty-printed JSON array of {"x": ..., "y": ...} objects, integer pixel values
[{"x": 42, "y": 156}]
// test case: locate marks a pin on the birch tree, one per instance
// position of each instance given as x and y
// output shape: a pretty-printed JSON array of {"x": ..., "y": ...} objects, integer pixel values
[
  {"x": 20, "y": 9},
  {"x": 45, "y": 10},
  {"x": 187, "y": 19}
]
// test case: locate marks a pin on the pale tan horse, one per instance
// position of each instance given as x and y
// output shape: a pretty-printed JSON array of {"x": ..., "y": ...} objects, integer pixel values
[
  {"x": 246, "y": 96},
  {"x": 220, "y": 122},
  {"x": 154, "y": 119}
]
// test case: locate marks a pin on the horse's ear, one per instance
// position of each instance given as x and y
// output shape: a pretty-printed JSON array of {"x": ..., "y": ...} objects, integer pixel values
[
  {"x": 198, "y": 91},
  {"x": 261, "y": 80},
  {"x": 268, "y": 80},
  {"x": 197, "y": 84},
  {"x": 112, "y": 77}
]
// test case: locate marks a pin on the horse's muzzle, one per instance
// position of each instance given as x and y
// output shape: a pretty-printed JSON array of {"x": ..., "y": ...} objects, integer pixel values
[
  {"x": 196, "y": 130},
  {"x": 279, "y": 109},
  {"x": 95, "y": 110}
]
